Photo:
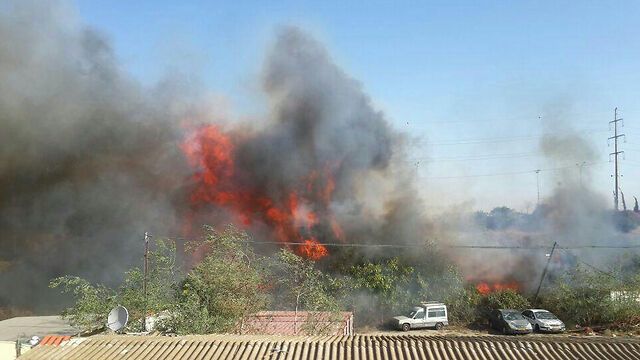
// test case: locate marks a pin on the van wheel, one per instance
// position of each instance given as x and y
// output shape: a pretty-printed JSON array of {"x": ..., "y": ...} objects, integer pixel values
[
  {"x": 406, "y": 327},
  {"x": 439, "y": 326}
]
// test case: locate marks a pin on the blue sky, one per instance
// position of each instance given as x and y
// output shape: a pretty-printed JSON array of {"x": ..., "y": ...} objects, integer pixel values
[{"x": 476, "y": 82}]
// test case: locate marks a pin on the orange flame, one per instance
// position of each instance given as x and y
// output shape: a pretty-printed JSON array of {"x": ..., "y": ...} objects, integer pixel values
[
  {"x": 313, "y": 250},
  {"x": 485, "y": 288},
  {"x": 292, "y": 217}
]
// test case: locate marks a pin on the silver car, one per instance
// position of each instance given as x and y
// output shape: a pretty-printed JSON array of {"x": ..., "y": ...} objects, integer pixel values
[{"x": 543, "y": 320}]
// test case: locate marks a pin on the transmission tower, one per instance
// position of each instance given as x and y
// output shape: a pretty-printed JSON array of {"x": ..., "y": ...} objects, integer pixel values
[{"x": 615, "y": 154}]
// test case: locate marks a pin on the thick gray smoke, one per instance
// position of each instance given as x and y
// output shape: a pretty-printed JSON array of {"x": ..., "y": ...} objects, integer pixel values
[
  {"x": 322, "y": 117},
  {"x": 574, "y": 215},
  {"x": 88, "y": 159},
  {"x": 324, "y": 141}
]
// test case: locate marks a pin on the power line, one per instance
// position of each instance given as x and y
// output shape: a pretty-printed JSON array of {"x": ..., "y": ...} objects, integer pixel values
[
  {"x": 474, "y": 157},
  {"x": 504, "y": 173},
  {"x": 508, "y": 119},
  {"x": 508, "y": 139},
  {"x": 451, "y": 246},
  {"x": 593, "y": 267}
]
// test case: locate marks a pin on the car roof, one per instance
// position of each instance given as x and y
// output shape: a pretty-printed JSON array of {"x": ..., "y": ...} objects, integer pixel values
[{"x": 534, "y": 310}]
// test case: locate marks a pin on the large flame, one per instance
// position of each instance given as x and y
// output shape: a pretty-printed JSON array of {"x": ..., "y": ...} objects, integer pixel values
[
  {"x": 485, "y": 288},
  {"x": 292, "y": 218}
]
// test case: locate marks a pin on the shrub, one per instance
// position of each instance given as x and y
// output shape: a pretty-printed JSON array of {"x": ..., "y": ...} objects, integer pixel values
[
  {"x": 463, "y": 305},
  {"x": 585, "y": 297},
  {"x": 501, "y": 299}
]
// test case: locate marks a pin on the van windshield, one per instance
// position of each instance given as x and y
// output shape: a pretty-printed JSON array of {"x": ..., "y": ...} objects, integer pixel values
[{"x": 413, "y": 312}]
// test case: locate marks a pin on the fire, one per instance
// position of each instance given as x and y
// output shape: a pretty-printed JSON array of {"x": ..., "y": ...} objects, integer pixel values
[
  {"x": 313, "y": 250},
  {"x": 486, "y": 288},
  {"x": 297, "y": 215}
]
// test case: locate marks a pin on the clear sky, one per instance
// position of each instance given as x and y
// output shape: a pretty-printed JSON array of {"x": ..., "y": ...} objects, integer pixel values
[{"x": 477, "y": 82}]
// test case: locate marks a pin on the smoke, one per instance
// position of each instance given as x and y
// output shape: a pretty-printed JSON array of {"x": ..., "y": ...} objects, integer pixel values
[
  {"x": 324, "y": 168},
  {"x": 88, "y": 159}
]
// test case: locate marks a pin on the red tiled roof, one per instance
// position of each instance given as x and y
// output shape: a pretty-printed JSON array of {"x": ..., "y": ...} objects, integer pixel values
[
  {"x": 54, "y": 340},
  {"x": 300, "y": 323}
]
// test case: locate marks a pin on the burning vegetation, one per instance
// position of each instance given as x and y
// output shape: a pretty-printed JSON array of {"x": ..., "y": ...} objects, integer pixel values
[
  {"x": 293, "y": 216},
  {"x": 86, "y": 171},
  {"x": 485, "y": 288}
]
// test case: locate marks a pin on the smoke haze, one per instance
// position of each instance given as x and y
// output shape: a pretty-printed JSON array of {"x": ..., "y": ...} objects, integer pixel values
[{"x": 90, "y": 160}]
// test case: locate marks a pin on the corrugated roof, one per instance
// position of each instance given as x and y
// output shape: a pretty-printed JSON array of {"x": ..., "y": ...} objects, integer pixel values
[
  {"x": 359, "y": 347},
  {"x": 298, "y": 323}
]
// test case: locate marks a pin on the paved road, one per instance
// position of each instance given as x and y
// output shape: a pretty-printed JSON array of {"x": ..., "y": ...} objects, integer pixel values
[{"x": 27, "y": 326}]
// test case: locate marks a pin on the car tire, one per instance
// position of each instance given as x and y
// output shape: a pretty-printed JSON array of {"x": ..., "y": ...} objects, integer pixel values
[
  {"x": 439, "y": 326},
  {"x": 504, "y": 330},
  {"x": 536, "y": 328},
  {"x": 406, "y": 327}
]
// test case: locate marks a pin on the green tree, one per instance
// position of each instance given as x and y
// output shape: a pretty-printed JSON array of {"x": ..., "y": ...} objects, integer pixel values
[
  {"x": 301, "y": 286},
  {"x": 92, "y": 303},
  {"x": 162, "y": 278},
  {"x": 223, "y": 288},
  {"x": 387, "y": 283}
]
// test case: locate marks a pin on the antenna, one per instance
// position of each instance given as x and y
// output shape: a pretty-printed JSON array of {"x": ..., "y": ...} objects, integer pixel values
[{"x": 118, "y": 318}]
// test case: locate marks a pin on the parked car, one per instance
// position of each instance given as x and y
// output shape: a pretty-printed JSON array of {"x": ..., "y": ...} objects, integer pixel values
[
  {"x": 543, "y": 320},
  {"x": 509, "y": 321},
  {"x": 429, "y": 314}
]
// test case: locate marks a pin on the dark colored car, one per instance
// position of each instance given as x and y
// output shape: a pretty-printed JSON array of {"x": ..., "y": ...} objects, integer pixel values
[{"x": 509, "y": 321}]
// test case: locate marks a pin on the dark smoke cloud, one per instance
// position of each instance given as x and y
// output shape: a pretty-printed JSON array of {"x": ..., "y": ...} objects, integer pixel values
[
  {"x": 320, "y": 115},
  {"x": 88, "y": 160}
]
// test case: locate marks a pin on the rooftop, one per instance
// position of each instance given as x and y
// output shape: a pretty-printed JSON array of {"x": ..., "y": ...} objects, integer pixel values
[
  {"x": 362, "y": 347},
  {"x": 298, "y": 323}
]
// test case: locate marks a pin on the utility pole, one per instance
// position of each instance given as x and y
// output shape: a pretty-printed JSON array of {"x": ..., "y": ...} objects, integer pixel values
[
  {"x": 538, "y": 185},
  {"x": 615, "y": 154},
  {"x": 144, "y": 279},
  {"x": 544, "y": 273},
  {"x": 580, "y": 166}
]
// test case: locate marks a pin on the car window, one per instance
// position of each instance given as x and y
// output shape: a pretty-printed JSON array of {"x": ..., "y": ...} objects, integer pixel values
[
  {"x": 513, "y": 316},
  {"x": 420, "y": 314},
  {"x": 545, "y": 315},
  {"x": 528, "y": 314},
  {"x": 436, "y": 312}
]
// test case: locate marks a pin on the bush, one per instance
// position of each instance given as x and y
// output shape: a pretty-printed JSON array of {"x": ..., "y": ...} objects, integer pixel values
[
  {"x": 501, "y": 299},
  {"x": 463, "y": 305},
  {"x": 585, "y": 298}
]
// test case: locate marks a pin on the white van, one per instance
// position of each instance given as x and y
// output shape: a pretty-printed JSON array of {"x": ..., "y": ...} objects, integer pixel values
[{"x": 428, "y": 314}]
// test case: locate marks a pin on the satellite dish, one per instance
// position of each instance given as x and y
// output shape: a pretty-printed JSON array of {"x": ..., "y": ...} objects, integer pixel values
[{"x": 118, "y": 317}]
